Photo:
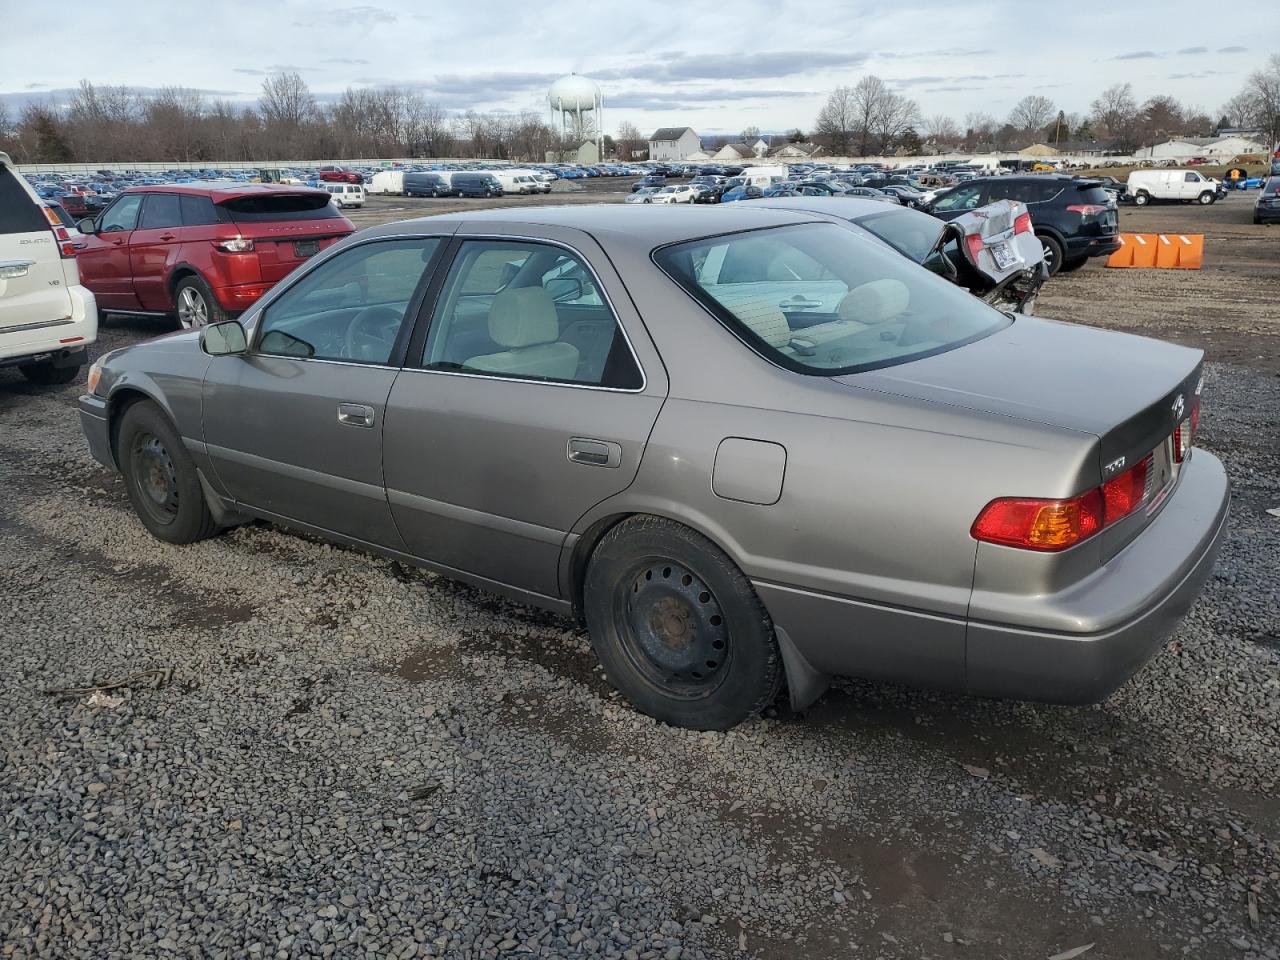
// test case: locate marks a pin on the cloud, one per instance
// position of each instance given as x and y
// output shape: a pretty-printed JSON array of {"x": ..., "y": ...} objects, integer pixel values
[
  {"x": 676, "y": 66},
  {"x": 1233, "y": 49},
  {"x": 347, "y": 61},
  {"x": 1138, "y": 55},
  {"x": 1196, "y": 76},
  {"x": 1192, "y": 50},
  {"x": 932, "y": 54},
  {"x": 370, "y": 15},
  {"x": 664, "y": 100},
  {"x": 968, "y": 78}
]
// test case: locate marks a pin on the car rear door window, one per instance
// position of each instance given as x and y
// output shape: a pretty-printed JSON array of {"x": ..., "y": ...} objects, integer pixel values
[
  {"x": 528, "y": 311},
  {"x": 197, "y": 211},
  {"x": 351, "y": 307},
  {"x": 960, "y": 198},
  {"x": 160, "y": 210}
]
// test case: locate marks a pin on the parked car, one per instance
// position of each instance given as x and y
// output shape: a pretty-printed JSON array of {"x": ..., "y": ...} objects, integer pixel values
[
  {"x": 427, "y": 185},
  {"x": 750, "y": 447},
  {"x": 1187, "y": 185},
  {"x": 475, "y": 184},
  {"x": 345, "y": 194},
  {"x": 906, "y": 196},
  {"x": 1266, "y": 209},
  {"x": 649, "y": 181},
  {"x": 992, "y": 252},
  {"x": 643, "y": 195},
  {"x": 682, "y": 193},
  {"x": 1074, "y": 218},
  {"x": 202, "y": 253},
  {"x": 336, "y": 174},
  {"x": 47, "y": 318}
]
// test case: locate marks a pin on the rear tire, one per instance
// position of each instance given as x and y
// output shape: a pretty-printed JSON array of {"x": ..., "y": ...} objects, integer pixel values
[
  {"x": 678, "y": 628},
  {"x": 195, "y": 304},
  {"x": 1052, "y": 253},
  {"x": 1141, "y": 198},
  {"x": 45, "y": 374},
  {"x": 161, "y": 477}
]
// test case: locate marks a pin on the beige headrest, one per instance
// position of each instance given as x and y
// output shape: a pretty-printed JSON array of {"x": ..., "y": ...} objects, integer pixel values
[
  {"x": 522, "y": 317},
  {"x": 875, "y": 302},
  {"x": 763, "y": 316}
]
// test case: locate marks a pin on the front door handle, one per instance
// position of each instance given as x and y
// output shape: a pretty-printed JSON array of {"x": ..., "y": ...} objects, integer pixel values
[
  {"x": 355, "y": 414},
  {"x": 594, "y": 453}
]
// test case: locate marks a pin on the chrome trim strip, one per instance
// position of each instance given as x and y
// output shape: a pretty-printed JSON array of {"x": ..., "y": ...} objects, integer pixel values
[
  {"x": 39, "y": 325},
  {"x": 477, "y": 518}
]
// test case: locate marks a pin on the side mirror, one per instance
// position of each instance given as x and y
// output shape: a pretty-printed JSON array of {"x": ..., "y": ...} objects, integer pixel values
[
  {"x": 565, "y": 288},
  {"x": 87, "y": 226},
  {"x": 223, "y": 339}
]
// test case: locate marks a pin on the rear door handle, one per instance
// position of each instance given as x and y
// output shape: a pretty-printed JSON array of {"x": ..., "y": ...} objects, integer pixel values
[
  {"x": 594, "y": 453},
  {"x": 355, "y": 414},
  {"x": 166, "y": 236}
]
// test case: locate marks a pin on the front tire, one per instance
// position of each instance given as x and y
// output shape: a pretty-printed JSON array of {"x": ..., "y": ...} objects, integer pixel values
[
  {"x": 1206, "y": 198},
  {"x": 195, "y": 304},
  {"x": 161, "y": 477},
  {"x": 45, "y": 374},
  {"x": 678, "y": 628}
]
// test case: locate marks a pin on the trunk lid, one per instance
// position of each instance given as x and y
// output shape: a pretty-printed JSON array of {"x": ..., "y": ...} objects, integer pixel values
[
  {"x": 287, "y": 226},
  {"x": 1120, "y": 388}
]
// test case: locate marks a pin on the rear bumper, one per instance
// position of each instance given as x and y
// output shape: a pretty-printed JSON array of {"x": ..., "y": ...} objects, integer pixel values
[
  {"x": 1092, "y": 246},
  {"x": 240, "y": 296},
  {"x": 1125, "y": 612},
  {"x": 1267, "y": 214},
  {"x": 63, "y": 341},
  {"x": 1118, "y": 618},
  {"x": 96, "y": 426}
]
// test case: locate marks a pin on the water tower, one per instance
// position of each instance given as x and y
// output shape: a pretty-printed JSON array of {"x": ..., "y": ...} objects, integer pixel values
[{"x": 579, "y": 107}]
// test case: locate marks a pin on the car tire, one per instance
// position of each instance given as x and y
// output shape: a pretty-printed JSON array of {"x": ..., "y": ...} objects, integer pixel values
[
  {"x": 45, "y": 374},
  {"x": 677, "y": 626},
  {"x": 161, "y": 477},
  {"x": 1206, "y": 198},
  {"x": 1052, "y": 253},
  {"x": 195, "y": 305},
  {"x": 1070, "y": 266},
  {"x": 1141, "y": 198}
]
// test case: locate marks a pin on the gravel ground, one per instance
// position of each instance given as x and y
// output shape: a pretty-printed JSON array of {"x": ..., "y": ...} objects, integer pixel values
[{"x": 350, "y": 759}]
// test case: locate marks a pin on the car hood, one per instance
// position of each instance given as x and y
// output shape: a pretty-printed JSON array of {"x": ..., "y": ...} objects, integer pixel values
[{"x": 1045, "y": 371}]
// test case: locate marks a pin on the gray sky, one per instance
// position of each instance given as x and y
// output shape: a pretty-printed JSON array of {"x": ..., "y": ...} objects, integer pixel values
[{"x": 714, "y": 66}]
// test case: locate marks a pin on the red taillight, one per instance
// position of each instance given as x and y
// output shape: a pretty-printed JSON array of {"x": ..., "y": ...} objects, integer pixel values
[
  {"x": 1044, "y": 525},
  {"x": 1086, "y": 209},
  {"x": 1022, "y": 224},
  {"x": 233, "y": 245},
  {"x": 974, "y": 242},
  {"x": 1124, "y": 494}
]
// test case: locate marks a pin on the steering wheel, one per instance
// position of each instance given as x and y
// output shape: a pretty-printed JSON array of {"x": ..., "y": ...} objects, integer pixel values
[{"x": 371, "y": 334}]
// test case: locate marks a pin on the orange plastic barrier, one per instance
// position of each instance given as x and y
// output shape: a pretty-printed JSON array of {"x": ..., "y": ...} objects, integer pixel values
[
  {"x": 1188, "y": 251},
  {"x": 1169, "y": 251}
]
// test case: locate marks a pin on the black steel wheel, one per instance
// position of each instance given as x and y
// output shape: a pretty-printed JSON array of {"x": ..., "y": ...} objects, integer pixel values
[
  {"x": 161, "y": 477},
  {"x": 678, "y": 627}
]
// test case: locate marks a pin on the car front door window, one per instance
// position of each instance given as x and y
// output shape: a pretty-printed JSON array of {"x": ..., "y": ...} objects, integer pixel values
[
  {"x": 122, "y": 215},
  {"x": 352, "y": 307}
]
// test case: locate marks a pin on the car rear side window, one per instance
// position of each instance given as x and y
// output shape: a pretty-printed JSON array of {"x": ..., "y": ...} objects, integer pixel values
[
  {"x": 351, "y": 307},
  {"x": 197, "y": 211},
  {"x": 18, "y": 212},
  {"x": 160, "y": 210}
]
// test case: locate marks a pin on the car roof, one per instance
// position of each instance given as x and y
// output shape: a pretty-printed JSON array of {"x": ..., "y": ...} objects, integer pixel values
[
  {"x": 846, "y": 208},
  {"x": 219, "y": 191},
  {"x": 642, "y": 225}
]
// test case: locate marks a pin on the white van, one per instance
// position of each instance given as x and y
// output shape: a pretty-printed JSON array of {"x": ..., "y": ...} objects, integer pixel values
[
  {"x": 517, "y": 181},
  {"x": 1147, "y": 185},
  {"x": 345, "y": 194},
  {"x": 387, "y": 181},
  {"x": 46, "y": 318}
]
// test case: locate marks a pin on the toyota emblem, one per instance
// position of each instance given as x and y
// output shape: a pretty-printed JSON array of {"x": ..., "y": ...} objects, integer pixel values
[{"x": 1178, "y": 406}]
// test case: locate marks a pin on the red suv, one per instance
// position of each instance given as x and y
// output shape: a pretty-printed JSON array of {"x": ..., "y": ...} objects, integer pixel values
[
  {"x": 336, "y": 174},
  {"x": 204, "y": 253}
]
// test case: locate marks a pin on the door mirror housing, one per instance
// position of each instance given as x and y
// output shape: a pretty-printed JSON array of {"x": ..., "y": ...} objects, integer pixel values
[
  {"x": 87, "y": 226},
  {"x": 223, "y": 339},
  {"x": 564, "y": 288}
]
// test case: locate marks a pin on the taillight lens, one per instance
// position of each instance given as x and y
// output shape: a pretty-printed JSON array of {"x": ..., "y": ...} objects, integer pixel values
[
  {"x": 1045, "y": 525},
  {"x": 1124, "y": 494},
  {"x": 234, "y": 245},
  {"x": 974, "y": 242},
  {"x": 1022, "y": 224},
  {"x": 1086, "y": 209}
]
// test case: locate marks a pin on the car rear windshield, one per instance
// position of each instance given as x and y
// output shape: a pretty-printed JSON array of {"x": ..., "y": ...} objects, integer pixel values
[
  {"x": 1091, "y": 194},
  {"x": 279, "y": 206},
  {"x": 820, "y": 300},
  {"x": 910, "y": 232},
  {"x": 18, "y": 212}
]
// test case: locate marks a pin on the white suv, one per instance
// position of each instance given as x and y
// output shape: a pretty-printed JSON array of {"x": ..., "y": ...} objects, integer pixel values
[
  {"x": 345, "y": 194},
  {"x": 47, "y": 320}
]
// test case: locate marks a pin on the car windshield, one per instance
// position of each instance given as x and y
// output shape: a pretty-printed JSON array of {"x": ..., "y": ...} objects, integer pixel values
[{"x": 820, "y": 300}]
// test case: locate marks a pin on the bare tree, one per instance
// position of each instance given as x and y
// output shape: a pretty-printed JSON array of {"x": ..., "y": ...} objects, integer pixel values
[
  {"x": 1263, "y": 87},
  {"x": 288, "y": 107},
  {"x": 1115, "y": 112},
  {"x": 1032, "y": 113},
  {"x": 836, "y": 121},
  {"x": 942, "y": 130},
  {"x": 426, "y": 127},
  {"x": 897, "y": 116},
  {"x": 629, "y": 140},
  {"x": 867, "y": 104},
  {"x": 979, "y": 130},
  {"x": 750, "y": 135}
]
